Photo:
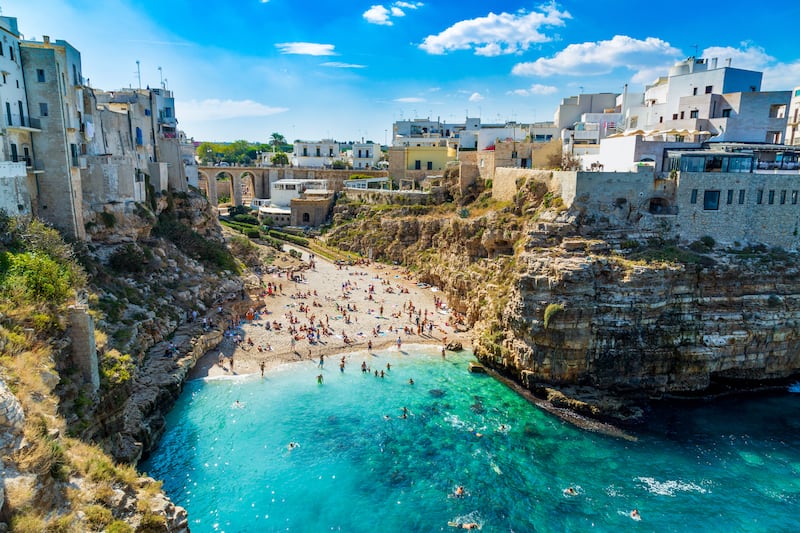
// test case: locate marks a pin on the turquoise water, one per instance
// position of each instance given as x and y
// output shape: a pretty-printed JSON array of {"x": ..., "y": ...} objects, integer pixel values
[{"x": 729, "y": 466}]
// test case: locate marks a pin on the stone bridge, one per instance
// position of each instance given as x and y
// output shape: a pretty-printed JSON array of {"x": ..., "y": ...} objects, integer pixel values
[{"x": 240, "y": 185}]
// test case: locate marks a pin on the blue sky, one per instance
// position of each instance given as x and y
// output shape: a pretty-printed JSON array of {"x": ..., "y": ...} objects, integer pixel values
[{"x": 243, "y": 69}]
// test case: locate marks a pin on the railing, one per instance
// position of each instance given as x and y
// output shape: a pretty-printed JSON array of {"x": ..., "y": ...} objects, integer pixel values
[
  {"x": 22, "y": 159},
  {"x": 23, "y": 121}
]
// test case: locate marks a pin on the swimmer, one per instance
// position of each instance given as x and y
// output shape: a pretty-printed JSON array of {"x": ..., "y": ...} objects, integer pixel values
[
  {"x": 388, "y": 366},
  {"x": 319, "y": 379},
  {"x": 635, "y": 515},
  {"x": 569, "y": 491},
  {"x": 237, "y": 404},
  {"x": 405, "y": 413},
  {"x": 464, "y": 525},
  {"x": 459, "y": 492},
  {"x": 293, "y": 445},
  {"x": 411, "y": 381}
]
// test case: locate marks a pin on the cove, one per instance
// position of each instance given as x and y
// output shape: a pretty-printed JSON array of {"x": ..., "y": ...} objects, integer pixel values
[{"x": 360, "y": 467}]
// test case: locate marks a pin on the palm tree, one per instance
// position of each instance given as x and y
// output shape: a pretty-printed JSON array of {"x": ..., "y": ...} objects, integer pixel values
[{"x": 277, "y": 140}]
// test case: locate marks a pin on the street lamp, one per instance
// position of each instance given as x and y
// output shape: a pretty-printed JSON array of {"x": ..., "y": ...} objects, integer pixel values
[
  {"x": 208, "y": 156},
  {"x": 258, "y": 161}
]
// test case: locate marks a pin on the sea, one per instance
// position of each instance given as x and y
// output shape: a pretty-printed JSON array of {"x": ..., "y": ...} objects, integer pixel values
[{"x": 366, "y": 453}]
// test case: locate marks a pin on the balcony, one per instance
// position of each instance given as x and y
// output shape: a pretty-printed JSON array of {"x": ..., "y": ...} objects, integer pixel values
[
  {"x": 23, "y": 123},
  {"x": 22, "y": 159}
]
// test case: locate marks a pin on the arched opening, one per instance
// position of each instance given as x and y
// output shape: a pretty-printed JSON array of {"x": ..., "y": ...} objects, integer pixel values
[
  {"x": 247, "y": 179},
  {"x": 306, "y": 218},
  {"x": 224, "y": 184},
  {"x": 202, "y": 183}
]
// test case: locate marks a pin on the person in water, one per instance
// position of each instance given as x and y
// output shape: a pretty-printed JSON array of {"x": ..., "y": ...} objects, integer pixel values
[
  {"x": 319, "y": 379},
  {"x": 635, "y": 514},
  {"x": 569, "y": 491},
  {"x": 459, "y": 492},
  {"x": 292, "y": 445},
  {"x": 405, "y": 413}
]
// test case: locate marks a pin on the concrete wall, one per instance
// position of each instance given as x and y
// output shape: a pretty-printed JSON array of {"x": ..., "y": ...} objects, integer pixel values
[
  {"x": 311, "y": 211},
  {"x": 774, "y": 224},
  {"x": 598, "y": 190},
  {"x": 14, "y": 197}
]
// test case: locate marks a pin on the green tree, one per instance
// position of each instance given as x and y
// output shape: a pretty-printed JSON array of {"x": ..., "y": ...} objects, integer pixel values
[
  {"x": 276, "y": 140},
  {"x": 280, "y": 158}
]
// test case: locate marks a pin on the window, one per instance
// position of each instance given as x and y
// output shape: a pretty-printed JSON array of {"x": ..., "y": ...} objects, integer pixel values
[
  {"x": 777, "y": 111},
  {"x": 693, "y": 199},
  {"x": 417, "y": 164},
  {"x": 741, "y": 196},
  {"x": 43, "y": 109},
  {"x": 709, "y": 89},
  {"x": 730, "y": 197},
  {"x": 11, "y": 53},
  {"x": 760, "y": 196},
  {"x": 711, "y": 200},
  {"x": 693, "y": 113},
  {"x": 682, "y": 112},
  {"x": 674, "y": 116},
  {"x": 771, "y": 197},
  {"x": 794, "y": 197},
  {"x": 4, "y": 77},
  {"x": 430, "y": 165},
  {"x": 783, "y": 197},
  {"x": 661, "y": 120},
  {"x": 726, "y": 113},
  {"x": 147, "y": 112},
  {"x": 318, "y": 152},
  {"x": 40, "y": 75},
  {"x": 694, "y": 91}
]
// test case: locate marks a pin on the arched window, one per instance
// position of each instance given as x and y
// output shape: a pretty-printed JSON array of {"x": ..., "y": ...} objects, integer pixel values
[{"x": 306, "y": 217}]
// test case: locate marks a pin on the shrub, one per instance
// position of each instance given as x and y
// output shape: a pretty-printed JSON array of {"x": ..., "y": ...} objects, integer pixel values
[
  {"x": 708, "y": 241},
  {"x": 118, "y": 526},
  {"x": 109, "y": 220},
  {"x": 152, "y": 523},
  {"x": 630, "y": 244},
  {"x": 253, "y": 233},
  {"x": 246, "y": 219},
  {"x": 551, "y": 311},
  {"x": 98, "y": 517},
  {"x": 115, "y": 368},
  {"x": 38, "y": 277},
  {"x": 193, "y": 244},
  {"x": 127, "y": 258},
  {"x": 27, "y": 523}
]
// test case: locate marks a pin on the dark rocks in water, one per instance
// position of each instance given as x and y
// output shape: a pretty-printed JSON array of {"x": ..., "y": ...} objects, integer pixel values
[
  {"x": 454, "y": 346},
  {"x": 477, "y": 408},
  {"x": 437, "y": 393}
]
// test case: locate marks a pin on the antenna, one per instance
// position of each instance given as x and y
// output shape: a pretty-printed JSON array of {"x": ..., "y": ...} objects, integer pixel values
[
  {"x": 695, "y": 51},
  {"x": 161, "y": 77},
  {"x": 139, "y": 73},
  {"x": 581, "y": 88}
]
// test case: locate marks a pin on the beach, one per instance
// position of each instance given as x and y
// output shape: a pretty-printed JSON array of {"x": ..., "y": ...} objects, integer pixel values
[{"x": 323, "y": 309}]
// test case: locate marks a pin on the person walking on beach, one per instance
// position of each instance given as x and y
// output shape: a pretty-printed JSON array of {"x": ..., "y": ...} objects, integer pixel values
[
  {"x": 399, "y": 343},
  {"x": 321, "y": 360},
  {"x": 262, "y": 368}
]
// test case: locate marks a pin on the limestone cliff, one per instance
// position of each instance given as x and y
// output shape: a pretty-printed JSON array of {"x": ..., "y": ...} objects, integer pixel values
[{"x": 563, "y": 298}]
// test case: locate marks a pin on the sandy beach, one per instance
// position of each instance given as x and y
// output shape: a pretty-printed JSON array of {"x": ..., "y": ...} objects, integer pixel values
[{"x": 327, "y": 310}]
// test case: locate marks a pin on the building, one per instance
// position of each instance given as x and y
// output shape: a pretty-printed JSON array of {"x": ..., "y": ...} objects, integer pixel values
[
  {"x": 55, "y": 89},
  {"x": 793, "y": 120},
  {"x": 316, "y": 154},
  {"x": 17, "y": 166},
  {"x": 365, "y": 155}
]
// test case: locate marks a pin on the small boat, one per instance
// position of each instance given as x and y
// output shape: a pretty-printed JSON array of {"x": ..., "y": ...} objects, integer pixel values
[
  {"x": 795, "y": 387},
  {"x": 477, "y": 368}
]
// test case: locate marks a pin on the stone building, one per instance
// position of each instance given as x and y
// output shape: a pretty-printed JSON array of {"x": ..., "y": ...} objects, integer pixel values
[
  {"x": 55, "y": 89},
  {"x": 793, "y": 120}
]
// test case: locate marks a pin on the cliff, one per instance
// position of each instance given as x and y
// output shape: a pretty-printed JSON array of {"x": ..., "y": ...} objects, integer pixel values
[{"x": 590, "y": 314}]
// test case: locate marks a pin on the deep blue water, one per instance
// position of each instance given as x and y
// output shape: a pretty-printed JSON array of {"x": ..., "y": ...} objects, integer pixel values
[{"x": 361, "y": 467}]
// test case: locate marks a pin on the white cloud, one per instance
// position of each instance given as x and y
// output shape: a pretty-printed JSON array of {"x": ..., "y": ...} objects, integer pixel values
[
  {"x": 601, "y": 57},
  {"x": 337, "y": 64},
  {"x": 264, "y": 1},
  {"x": 409, "y": 100},
  {"x": 215, "y": 109},
  {"x": 777, "y": 76},
  {"x": 308, "y": 49},
  {"x": 475, "y": 97},
  {"x": 378, "y": 15},
  {"x": 536, "y": 88},
  {"x": 494, "y": 35}
]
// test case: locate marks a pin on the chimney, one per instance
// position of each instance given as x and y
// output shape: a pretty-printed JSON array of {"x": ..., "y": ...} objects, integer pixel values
[
  {"x": 728, "y": 62},
  {"x": 46, "y": 39}
]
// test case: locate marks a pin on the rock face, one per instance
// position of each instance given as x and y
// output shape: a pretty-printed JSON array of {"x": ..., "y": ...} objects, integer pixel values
[
  {"x": 12, "y": 420},
  {"x": 656, "y": 328}
]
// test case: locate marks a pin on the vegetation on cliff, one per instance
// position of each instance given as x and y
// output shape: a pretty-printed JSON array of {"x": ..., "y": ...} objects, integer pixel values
[{"x": 51, "y": 481}]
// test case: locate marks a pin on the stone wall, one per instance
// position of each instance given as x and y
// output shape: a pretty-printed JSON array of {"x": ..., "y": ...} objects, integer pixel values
[
  {"x": 504, "y": 185},
  {"x": 769, "y": 212}
]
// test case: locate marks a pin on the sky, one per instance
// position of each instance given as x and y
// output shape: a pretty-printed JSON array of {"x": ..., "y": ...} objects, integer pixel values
[{"x": 312, "y": 70}]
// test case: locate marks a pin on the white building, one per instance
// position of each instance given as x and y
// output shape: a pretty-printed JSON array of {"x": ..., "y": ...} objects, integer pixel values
[
  {"x": 793, "y": 123},
  {"x": 365, "y": 155},
  {"x": 317, "y": 154},
  {"x": 17, "y": 167}
]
